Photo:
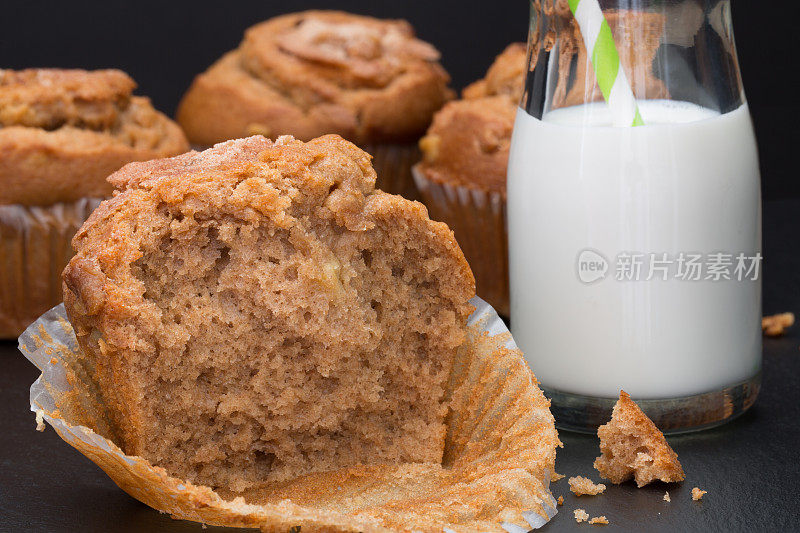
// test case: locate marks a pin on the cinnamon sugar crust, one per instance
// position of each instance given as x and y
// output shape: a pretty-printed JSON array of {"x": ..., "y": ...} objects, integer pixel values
[
  {"x": 633, "y": 447},
  {"x": 51, "y": 98},
  {"x": 259, "y": 311},
  {"x": 62, "y": 132},
  {"x": 316, "y": 72}
]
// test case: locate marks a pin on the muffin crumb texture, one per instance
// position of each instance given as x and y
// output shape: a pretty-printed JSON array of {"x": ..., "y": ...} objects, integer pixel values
[
  {"x": 599, "y": 521},
  {"x": 631, "y": 446},
  {"x": 697, "y": 494},
  {"x": 581, "y": 486},
  {"x": 258, "y": 312},
  {"x": 580, "y": 515},
  {"x": 666, "y": 497}
]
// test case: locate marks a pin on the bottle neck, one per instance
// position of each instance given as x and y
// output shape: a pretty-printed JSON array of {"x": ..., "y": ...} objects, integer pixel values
[{"x": 680, "y": 50}]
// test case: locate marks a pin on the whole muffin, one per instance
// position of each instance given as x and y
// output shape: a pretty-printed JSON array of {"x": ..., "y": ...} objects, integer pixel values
[
  {"x": 316, "y": 72},
  {"x": 62, "y": 132},
  {"x": 262, "y": 312},
  {"x": 462, "y": 176}
]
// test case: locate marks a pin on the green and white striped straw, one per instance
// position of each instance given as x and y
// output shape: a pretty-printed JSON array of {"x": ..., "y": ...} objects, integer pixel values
[{"x": 607, "y": 69}]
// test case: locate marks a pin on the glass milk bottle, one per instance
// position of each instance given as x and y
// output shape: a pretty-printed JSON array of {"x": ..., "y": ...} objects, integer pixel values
[{"x": 635, "y": 232}]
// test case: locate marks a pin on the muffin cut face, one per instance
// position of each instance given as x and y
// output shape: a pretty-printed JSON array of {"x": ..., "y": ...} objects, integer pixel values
[{"x": 258, "y": 317}]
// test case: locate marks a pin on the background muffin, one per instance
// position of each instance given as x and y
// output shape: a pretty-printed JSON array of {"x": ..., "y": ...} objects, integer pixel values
[
  {"x": 62, "y": 132},
  {"x": 263, "y": 312},
  {"x": 316, "y": 72},
  {"x": 462, "y": 176}
]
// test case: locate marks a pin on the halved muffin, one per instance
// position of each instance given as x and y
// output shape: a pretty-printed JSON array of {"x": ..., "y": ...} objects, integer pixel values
[{"x": 259, "y": 311}]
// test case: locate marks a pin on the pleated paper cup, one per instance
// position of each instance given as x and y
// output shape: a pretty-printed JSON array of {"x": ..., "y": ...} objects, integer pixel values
[
  {"x": 498, "y": 460},
  {"x": 392, "y": 164},
  {"x": 35, "y": 246},
  {"x": 478, "y": 219}
]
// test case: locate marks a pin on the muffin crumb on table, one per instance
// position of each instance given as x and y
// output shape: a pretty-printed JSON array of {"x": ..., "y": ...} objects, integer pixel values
[
  {"x": 581, "y": 486},
  {"x": 580, "y": 515},
  {"x": 599, "y": 521},
  {"x": 631, "y": 446},
  {"x": 697, "y": 494},
  {"x": 776, "y": 325}
]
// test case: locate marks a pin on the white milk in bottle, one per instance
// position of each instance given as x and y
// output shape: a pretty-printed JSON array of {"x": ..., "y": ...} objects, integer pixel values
[{"x": 588, "y": 202}]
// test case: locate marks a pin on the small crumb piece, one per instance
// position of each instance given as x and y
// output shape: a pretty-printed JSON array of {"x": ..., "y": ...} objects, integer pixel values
[
  {"x": 40, "y": 420},
  {"x": 697, "y": 494},
  {"x": 599, "y": 520},
  {"x": 776, "y": 325},
  {"x": 580, "y": 515},
  {"x": 666, "y": 497},
  {"x": 583, "y": 485},
  {"x": 556, "y": 477},
  {"x": 631, "y": 446},
  {"x": 560, "y": 500}
]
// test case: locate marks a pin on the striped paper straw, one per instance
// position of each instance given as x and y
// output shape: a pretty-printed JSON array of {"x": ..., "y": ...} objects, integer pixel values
[{"x": 607, "y": 69}]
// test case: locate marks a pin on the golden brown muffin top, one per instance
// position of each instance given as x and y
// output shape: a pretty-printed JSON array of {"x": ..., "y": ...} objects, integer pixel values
[
  {"x": 62, "y": 132},
  {"x": 468, "y": 142},
  {"x": 51, "y": 98},
  {"x": 315, "y": 72},
  {"x": 321, "y": 52},
  {"x": 506, "y": 76},
  {"x": 288, "y": 182}
]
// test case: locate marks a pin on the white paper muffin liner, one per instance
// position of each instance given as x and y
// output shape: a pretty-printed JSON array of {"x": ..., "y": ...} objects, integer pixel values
[{"x": 501, "y": 448}]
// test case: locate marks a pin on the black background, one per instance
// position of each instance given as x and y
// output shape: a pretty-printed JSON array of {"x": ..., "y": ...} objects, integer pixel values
[
  {"x": 163, "y": 44},
  {"x": 749, "y": 467}
]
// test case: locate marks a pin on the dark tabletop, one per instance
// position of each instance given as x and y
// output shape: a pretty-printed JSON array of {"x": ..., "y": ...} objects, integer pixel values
[{"x": 750, "y": 467}]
